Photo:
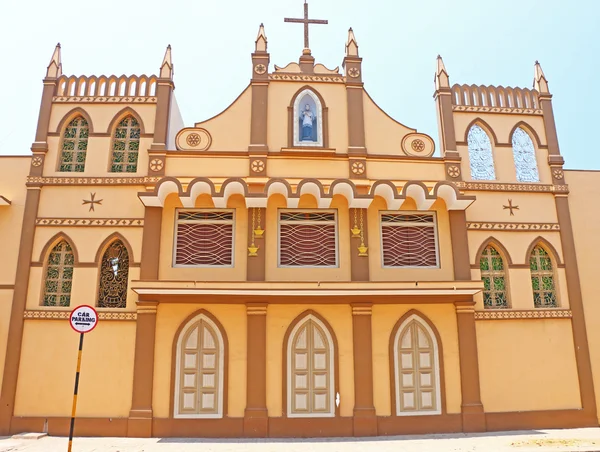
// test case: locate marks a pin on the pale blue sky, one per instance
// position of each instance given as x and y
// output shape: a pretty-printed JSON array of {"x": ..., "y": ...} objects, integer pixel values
[{"x": 481, "y": 41}]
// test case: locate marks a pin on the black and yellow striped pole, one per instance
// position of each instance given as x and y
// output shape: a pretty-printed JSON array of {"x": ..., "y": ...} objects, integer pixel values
[
  {"x": 74, "y": 409},
  {"x": 83, "y": 319}
]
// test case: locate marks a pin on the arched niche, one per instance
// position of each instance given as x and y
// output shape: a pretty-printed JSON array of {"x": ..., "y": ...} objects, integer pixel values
[{"x": 307, "y": 120}]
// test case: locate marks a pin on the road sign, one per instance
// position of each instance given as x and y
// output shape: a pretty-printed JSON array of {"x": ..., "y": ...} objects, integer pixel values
[{"x": 83, "y": 319}]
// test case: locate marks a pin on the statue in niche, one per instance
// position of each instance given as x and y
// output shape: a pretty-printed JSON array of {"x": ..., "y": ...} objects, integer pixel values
[{"x": 308, "y": 124}]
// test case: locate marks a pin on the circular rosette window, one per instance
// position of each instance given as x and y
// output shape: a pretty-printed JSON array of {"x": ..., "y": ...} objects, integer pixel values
[
  {"x": 418, "y": 145},
  {"x": 193, "y": 139}
]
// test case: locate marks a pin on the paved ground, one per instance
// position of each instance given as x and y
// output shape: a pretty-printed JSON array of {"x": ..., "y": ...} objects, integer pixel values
[{"x": 539, "y": 440}]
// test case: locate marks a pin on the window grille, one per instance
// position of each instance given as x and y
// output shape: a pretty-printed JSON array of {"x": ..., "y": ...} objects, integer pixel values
[
  {"x": 59, "y": 276},
  {"x": 409, "y": 240},
  {"x": 114, "y": 274},
  {"x": 204, "y": 238},
  {"x": 74, "y": 146},
  {"x": 481, "y": 159},
  {"x": 524, "y": 156},
  {"x": 542, "y": 279},
  {"x": 126, "y": 146},
  {"x": 493, "y": 276},
  {"x": 307, "y": 239}
]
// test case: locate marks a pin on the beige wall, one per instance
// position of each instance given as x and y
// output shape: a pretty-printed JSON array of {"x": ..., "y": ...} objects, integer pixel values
[
  {"x": 585, "y": 190},
  {"x": 237, "y": 114},
  {"x": 280, "y": 97},
  {"x": 384, "y": 319},
  {"x": 279, "y": 318},
  {"x": 169, "y": 319},
  {"x": 527, "y": 365},
  {"x": 49, "y": 360}
]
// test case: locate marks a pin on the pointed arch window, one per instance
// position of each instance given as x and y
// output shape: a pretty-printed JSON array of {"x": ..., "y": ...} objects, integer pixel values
[
  {"x": 59, "y": 275},
  {"x": 74, "y": 146},
  {"x": 114, "y": 275},
  {"x": 481, "y": 159},
  {"x": 543, "y": 279},
  {"x": 417, "y": 369},
  {"x": 310, "y": 370},
  {"x": 493, "y": 275},
  {"x": 126, "y": 146},
  {"x": 524, "y": 156},
  {"x": 199, "y": 374}
]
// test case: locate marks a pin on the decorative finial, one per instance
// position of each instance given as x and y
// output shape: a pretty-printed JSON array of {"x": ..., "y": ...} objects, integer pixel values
[
  {"x": 442, "y": 80},
  {"x": 261, "y": 40},
  {"x": 306, "y": 21},
  {"x": 166, "y": 68},
  {"x": 351, "y": 44},
  {"x": 54, "y": 69},
  {"x": 540, "y": 83}
]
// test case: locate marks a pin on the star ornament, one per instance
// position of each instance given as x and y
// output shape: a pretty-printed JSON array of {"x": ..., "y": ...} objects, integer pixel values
[{"x": 92, "y": 202}]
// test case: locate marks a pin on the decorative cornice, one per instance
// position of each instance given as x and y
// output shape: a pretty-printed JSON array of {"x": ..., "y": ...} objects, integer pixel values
[
  {"x": 514, "y": 111},
  {"x": 500, "y": 226},
  {"x": 64, "y": 315},
  {"x": 92, "y": 180},
  {"x": 308, "y": 78},
  {"x": 362, "y": 310},
  {"x": 111, "y": 222},
  {"x": 104, "y": 100},
  {"x": 256, "y": 310},
  {"x": 533, "y": 314},
  {"x": 498, "y": 186}
]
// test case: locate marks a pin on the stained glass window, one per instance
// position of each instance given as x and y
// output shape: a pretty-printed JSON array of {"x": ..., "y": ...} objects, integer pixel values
[
  {"x": 524, "y": 155},
  {"x": 542, "y": 279},
  {"x": 481, "y": 159},
  {"x": 126, "y": 146},
  {"x": 114, "y": 273},
  {"x": 59, "y": 275},
  {"x": 74, "y": 146},
  {"x": 493, "y": 276}
]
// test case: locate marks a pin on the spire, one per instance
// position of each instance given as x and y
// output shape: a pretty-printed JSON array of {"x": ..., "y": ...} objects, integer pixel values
[
  {"x": 351, "y": 45},
  {"x": 54, "y": 69},
  {"x": 261, "y": 40},
  {"x": 540, "y": 83},
  {"x": 442, "y": 80},
  {"x": 166, "y": 68}
]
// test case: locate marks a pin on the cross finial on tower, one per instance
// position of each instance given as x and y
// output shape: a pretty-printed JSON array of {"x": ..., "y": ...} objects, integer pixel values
[
  {"x": 306, "y": 21},
  {"x": 54, "y": 69}
]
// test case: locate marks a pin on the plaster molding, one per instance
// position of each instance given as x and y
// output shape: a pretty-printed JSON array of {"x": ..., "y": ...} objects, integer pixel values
[
  {"x": 531, "y": 314},
  {"x": 93, "y": 180},
  {"x": 307, "y": 78},
  {"x": 507, "y": 226},
  {"x": 104, "y": 100},
  {"x": 111, "y": 222},
  {"x": 498, "y": 186},
  {"x": 64, "y": 315},
  {"x": 514, "y": 111}
]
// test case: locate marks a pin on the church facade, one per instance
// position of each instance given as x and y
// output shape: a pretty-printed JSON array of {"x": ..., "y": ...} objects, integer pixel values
[{"x": 300, "y": 264}]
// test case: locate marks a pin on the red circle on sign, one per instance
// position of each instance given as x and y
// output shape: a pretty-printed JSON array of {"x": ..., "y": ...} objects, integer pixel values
[{"x": 79, "y": 307}]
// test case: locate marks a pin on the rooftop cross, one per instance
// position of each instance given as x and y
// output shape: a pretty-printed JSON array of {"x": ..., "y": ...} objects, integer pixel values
[{"x": 305, "y": 21}]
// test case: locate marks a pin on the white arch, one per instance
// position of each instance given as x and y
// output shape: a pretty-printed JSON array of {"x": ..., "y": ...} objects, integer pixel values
[
  {"x": 436, "y": 358},
  {"x": 315, "y": 98},
  {"x": 419, "y": 194},
  {"x": 232, "y": 188},
  {"x": 310, "y": 188},
  {"x": 386, "y": 192},
  {"x": 199, "y": 188},
  {"x": 221, "y": 351},
  {"x": 289, "y": 347}
]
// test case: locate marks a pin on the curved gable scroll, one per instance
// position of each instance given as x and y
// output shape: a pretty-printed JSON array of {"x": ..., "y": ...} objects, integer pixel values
[{"x": 298, "y": 135}]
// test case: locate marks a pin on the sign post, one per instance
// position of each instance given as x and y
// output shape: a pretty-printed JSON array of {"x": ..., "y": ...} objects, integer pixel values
[{"x": 83, "y": 319}]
